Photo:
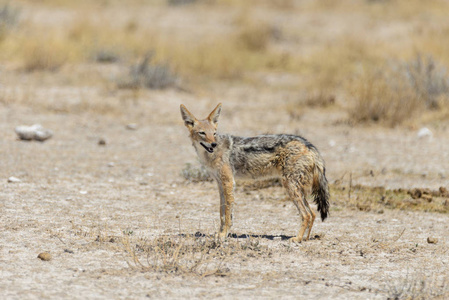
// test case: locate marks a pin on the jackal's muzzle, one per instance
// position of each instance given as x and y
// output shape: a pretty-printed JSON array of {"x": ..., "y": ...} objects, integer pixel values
[{"x": 209, "y": 147}]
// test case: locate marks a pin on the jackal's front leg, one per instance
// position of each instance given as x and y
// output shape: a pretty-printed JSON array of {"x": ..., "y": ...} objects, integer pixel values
[{"x": 225, "y": 180}]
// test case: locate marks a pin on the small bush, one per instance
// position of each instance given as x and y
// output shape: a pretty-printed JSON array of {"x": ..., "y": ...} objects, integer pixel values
[
  {"x": 384, "y": 99},
  {"x": 149, "y": 75},
  {"x": 417, "y": 286},
  {"x": 43, "y": 55},
  {"x": 106, "y": 56},
  {"x": 399, "y": 91},
  {"x": 195, "y": 174},
  {"x": 193, "y": 254},
  {"x": 9, "y": 17},
  {"x": 315, "y": 99},
  {"x": 428, "y": 79},
  {"x": 254, "y": 36},
  {"x": 180, "y": 2}
]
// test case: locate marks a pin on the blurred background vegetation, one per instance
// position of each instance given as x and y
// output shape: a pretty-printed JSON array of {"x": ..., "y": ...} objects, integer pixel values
[{"x": 381, "y": 61}]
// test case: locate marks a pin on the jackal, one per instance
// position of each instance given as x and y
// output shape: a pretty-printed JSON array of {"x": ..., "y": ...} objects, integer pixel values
[{"x": 289, "y": 157}]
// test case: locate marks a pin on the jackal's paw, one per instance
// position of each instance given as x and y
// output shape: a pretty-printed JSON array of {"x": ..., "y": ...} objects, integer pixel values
[
  {"x": 295, "y": 239},
  {"x": 221, "y": 236}
]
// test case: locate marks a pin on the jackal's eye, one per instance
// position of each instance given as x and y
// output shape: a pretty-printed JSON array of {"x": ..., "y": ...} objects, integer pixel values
[
  {"x": 215, "y": 133},
  {"x": 202, "y": 133}
]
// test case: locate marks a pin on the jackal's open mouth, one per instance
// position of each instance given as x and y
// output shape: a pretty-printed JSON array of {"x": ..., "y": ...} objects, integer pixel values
[{"x": 208, "y": 149}]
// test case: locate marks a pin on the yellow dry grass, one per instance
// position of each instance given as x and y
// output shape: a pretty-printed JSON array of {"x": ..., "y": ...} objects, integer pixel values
[{"x": 253, "y": 40}]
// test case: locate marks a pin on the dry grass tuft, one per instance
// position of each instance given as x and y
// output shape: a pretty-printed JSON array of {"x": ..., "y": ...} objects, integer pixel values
[
  {"x": 180, "y": 2},
  {"x": 9, "y": 18},
  {"x": 106, "y": 55},
  {"x": 397, "y": 92},
  {"x": 147, "y": 74},
  {"x": 383, "y": 98},
  {"x": 254, "y": 36},
  {"x": 44, "y": 55},
  {"x": 195, "y": 173},
  {"x": 428, "y": 79},
  {"x": 320, "y": 99},
  {"x": 417, "y": 286},
  {"x": 195, "y": 255},
  {"x": 366, "y": 198}
]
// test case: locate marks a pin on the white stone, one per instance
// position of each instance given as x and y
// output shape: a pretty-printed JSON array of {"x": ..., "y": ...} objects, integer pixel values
[
  {"x": 13, "y": 179},
  {"x": 131, "y": 126},
  {"x": 33, "y": 132},
  {"x": 424, "y": 132}
]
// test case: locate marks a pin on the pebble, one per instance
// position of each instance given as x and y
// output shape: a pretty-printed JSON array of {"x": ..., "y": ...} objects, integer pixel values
[
  {"x": 424, "y": 132},
  {"x": 131, "y": 126},
  {"x": 34, "y": 132},
  {"x": 13, "y": 179},
  {"x": 102, "y": 142},
  {"x": 45, "y": 256},
  {"x": 432, "y": 240}
]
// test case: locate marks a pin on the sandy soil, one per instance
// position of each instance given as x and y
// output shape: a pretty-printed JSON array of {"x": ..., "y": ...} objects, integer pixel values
[
  {"x": 94, "y": 208},
  {"x": 75, "y": 195}
]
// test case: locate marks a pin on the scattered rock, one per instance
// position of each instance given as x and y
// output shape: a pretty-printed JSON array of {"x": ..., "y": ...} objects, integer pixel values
[
  {"x": 428, "y": 194},
  {"x": 111, "y": 164},
  {"x": 416, "y": 193},
  {"x": 318, "y": 236},
  {"x": 35, "y": 132},
  {"x": 424, "y": 132},
  {"x": 443, "y": 192},
  {"x": 68, "y": 251},
  {"x": 102, "y": 142},
  {"x": 426, "y": 197},
  {"x": 411, "y": 201},
  {"x": 131, "y": 126},
  {"x": 45, "y": 256},
  {"x": 13, "y": 179},
  {"x": 432, "y": 240}
]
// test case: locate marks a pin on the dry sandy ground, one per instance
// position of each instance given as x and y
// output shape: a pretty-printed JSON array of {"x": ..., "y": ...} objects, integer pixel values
[{"x": 77, "y": 199}]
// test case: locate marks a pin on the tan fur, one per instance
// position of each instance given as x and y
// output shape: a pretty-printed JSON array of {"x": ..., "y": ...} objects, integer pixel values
[{"x": 289, "y": 157}]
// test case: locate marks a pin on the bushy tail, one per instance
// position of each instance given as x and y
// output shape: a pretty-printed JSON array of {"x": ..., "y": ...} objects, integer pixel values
[{"x": 320, "y": 191}]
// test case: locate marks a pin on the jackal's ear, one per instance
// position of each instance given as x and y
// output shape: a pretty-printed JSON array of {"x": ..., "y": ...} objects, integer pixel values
[
  {"x": 213, "y": 116},
  {"x": 189, "y": 119}
]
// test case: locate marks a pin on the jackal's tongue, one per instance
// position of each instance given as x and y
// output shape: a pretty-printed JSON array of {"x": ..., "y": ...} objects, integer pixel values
[{"x": 208, "y": 149}]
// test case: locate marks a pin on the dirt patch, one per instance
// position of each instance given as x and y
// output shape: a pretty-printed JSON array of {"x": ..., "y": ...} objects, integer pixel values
[
  {"x": 120, "y": 220},
  {"x": 125, "y": 212}
]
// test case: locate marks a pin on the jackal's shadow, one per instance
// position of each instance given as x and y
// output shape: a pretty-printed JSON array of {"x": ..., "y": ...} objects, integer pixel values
[{"x": 244, "y": 236}]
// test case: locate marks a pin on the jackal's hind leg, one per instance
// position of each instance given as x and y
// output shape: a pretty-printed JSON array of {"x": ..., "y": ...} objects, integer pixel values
[
  {"x": 297, "y": 195},
  {"x": 312, "y": 213}
]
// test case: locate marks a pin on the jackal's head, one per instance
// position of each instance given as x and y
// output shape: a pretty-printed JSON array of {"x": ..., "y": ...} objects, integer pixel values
[{"x": 204, "y": 131}]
